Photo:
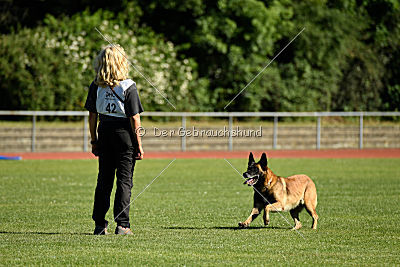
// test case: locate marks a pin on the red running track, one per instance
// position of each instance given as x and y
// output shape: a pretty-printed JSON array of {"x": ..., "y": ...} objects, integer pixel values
[{"x": 331, "y": 153}]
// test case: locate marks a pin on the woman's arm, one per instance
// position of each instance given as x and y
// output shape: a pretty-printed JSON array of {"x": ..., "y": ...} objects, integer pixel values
[
  {"x": 135, "y": 124},
  {"x": 93, "y": 131}
]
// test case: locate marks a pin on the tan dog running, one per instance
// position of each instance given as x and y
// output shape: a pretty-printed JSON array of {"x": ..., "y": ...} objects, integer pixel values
[{"x": 279, "y": 193}]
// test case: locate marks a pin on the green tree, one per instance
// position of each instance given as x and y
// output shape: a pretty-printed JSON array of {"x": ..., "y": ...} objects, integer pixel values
[
  {"x": 230, "y": 41},
  {"x": 201, "y": 53}
]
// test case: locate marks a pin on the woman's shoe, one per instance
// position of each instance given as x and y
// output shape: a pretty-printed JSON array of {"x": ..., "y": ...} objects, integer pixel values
[{"x": 120, "y": 230}]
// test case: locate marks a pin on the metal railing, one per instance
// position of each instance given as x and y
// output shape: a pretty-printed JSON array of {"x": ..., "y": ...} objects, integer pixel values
[{"x": 229, "y": 115}]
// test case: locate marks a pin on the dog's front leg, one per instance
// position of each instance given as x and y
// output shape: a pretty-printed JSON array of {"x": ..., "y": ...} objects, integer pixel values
[
  {"x": 277, "y": 206},
  {"x": 254, "y": 213},
  {"x": 266, "y": 217}
]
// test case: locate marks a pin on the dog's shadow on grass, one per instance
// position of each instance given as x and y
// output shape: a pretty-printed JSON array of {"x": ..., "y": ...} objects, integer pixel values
[
  {"x": 41, "y": 233},
  {"x": 234, "y": 228}
]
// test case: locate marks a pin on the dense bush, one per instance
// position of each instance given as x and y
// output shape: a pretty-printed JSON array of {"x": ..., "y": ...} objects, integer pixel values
[{"x": 50, "y": 67}]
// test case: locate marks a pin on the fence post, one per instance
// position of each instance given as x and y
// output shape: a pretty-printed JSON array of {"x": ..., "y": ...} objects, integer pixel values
[
  {"x": 33, "y": 135},
  {"x": 183, "y": 137},
  {"x": 275, "y": 133},
  {"x": 360, "y": 145},
  {"x": 318, "y": 132},
  {"x": 85, "y": 133},
  {"x": 230, "y": 143}
]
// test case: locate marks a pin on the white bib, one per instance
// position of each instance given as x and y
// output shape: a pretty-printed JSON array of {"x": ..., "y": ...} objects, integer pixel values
[{"x": 108, "y": 104}]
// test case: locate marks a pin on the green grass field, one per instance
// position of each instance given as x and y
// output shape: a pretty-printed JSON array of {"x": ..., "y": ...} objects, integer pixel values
[{"x": 189, "y": 215}]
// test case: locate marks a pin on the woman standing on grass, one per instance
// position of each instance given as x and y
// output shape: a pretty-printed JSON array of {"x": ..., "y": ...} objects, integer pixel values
[{"x": 114, "y": 99}]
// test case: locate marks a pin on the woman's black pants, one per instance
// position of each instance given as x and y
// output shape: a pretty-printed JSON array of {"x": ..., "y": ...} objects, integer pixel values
[{"x": 116, "y": 155}]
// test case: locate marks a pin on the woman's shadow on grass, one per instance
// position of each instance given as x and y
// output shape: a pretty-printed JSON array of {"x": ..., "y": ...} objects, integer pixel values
[{"x": 41, "y": 233}]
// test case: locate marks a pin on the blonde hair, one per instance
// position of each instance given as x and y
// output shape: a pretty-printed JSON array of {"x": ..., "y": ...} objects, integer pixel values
[{"x": 111, "y": 66}]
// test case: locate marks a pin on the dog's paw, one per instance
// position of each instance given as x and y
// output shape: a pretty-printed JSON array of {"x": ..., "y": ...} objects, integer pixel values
[
  {"x": 297, "y": 226},
  {"x": 242, "y": 225}
]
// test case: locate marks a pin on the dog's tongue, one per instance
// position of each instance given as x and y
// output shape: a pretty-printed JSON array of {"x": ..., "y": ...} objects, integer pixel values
[{"x": 249, "y": 182}]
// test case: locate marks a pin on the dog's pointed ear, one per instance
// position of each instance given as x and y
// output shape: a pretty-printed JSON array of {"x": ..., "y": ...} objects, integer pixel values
[
  {"x": 251, "y": 158},
  {"x": 263, "y": 161}
]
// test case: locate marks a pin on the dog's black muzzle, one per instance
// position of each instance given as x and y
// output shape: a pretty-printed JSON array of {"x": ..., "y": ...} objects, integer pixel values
[{"x": 250, "y": 179}]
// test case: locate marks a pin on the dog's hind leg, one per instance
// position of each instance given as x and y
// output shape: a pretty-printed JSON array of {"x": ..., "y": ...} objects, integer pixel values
[
  {"x": 295, "y": 215},
  {"x": 313, "y": 213},
  {"x": 310, "y": 202}
]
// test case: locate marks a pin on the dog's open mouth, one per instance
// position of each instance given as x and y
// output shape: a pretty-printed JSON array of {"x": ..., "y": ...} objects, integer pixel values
[{"x": 251, "y": 181}]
